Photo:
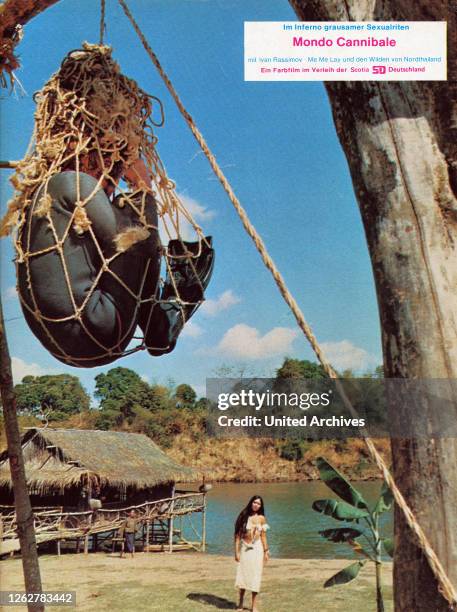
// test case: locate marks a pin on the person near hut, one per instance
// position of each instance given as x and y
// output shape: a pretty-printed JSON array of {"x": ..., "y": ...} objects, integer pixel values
[
  {"x": 129, "y": 526},
  {"x": 251, "y": 549}
]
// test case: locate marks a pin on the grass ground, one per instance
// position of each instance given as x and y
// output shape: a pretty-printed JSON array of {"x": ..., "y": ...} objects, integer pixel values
[{"x": 193, "y": 582}]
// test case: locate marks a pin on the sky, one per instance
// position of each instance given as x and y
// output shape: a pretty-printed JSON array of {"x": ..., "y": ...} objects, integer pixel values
[{"x": 277, "y": 145}]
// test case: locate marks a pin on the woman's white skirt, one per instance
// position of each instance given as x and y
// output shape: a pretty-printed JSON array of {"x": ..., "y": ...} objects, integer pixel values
[{"x": 250, "y": 566}]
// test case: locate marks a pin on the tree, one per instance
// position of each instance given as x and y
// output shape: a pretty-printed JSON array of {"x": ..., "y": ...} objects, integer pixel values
[
  {"x": 55, "y": 396},
  {"x": 185, "y": 396},
  {"x": 127, "y": 400},
  {"x": 122, "y": 393},
  {"x": 24, "y": 514},
  {"x": 399, "y": 140},
  {"x": 296, "y": 368}
]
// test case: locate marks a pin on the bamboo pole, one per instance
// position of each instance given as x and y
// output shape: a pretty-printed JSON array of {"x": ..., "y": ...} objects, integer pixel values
[
  {"x": 8, "y": 164},
  {"x": 204, "y": 524},
  {"x": 24, "y": 514},
  {"x": 170, "y": 522},
  {"x": 146, "y": 548}
]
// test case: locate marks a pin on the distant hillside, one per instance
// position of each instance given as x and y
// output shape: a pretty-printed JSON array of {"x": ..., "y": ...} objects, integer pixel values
[{"x": 255, "y": 460}]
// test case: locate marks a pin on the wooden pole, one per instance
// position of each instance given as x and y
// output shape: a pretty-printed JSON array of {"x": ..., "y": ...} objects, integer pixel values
[
  {"x": 86, "y": 544},
  {"x": 24, "y": 514},
  {"x": 170, "y": 521},
  {"x": 8, "y": 164},
  {"x": 86, "y": 537},
  {"x": 204, "y": 523}
]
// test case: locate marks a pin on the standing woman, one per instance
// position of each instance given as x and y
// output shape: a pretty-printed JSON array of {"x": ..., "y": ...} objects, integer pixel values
[{"x": 251, "y": 549}]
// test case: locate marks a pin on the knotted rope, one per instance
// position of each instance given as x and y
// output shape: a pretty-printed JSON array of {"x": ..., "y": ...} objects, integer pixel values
[{"x": 91, "y": 118}]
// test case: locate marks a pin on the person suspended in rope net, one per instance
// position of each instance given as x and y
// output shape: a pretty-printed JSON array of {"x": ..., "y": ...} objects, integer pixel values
[{"x": 88, "y": 252}]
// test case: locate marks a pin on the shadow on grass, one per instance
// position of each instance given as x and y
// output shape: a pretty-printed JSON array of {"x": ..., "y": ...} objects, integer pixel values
[{"x": 212, "y": 600}]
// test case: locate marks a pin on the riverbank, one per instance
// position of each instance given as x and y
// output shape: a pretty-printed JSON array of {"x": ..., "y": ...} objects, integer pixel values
[
  {"x": 193, "y": 582},
  {"x": 269, "y": 460}
]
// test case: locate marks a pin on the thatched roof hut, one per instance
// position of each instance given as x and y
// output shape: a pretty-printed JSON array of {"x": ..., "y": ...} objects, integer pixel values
[{"x": 65, "y": 465}]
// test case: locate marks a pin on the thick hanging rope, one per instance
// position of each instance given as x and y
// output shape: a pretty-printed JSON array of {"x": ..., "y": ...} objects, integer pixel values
[
  {"x": 102, "y": 20},
  {"x": 445, "y": 585}
]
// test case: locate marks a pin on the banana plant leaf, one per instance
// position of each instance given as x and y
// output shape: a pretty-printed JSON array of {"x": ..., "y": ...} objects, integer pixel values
[
  {"x": 345, "y": 575},
  {"x": 340, "y": 534},
  {"x": 388, "y": 544},
  {"x": 339, "y": 510},
  {"x": 359, "y": 550},
  {"x": 385, "y": 500},
  {"x": 339, "y": 485}
]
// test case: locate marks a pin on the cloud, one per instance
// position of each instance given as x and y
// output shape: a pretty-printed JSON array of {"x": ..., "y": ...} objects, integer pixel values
[
  {"x": 11, "y": 293},
  {"x": 246, "y": 342},
  {"x": 197, "y": 210},
  {"x": 200, "y": 214},
  {"x": 223, "y": 302},
  {"x": 192, "y": 330},
  {"x": 22, "y": 368},
  {"x": 344, "y": 355}
]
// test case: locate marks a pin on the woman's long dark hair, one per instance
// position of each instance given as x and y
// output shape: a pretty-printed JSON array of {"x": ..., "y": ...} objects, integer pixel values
[{"x": 241, "y": 521}]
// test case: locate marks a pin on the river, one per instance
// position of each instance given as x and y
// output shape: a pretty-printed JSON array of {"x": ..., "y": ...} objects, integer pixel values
[{"x": 294, "y": 525}]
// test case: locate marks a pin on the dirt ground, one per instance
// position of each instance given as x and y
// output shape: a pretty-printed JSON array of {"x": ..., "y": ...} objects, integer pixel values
[{"x": 195, "y": 581}]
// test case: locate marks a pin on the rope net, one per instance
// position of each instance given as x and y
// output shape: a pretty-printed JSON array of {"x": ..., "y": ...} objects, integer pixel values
[{"x": 89, "y": 256}]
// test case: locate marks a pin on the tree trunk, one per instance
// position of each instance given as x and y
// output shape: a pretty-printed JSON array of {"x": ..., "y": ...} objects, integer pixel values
[
  {"x": 24, "y": 515},
  {"x": 13, "y": 14},
  {"x": 19, "y": 12},
  {"x": 400, "y": 142}
]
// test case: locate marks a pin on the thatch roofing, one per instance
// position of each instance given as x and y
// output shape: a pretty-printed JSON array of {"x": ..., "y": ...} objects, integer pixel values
[{"x": 58, "y": 458}]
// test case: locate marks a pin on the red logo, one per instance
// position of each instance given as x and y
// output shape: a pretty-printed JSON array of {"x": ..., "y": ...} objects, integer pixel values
[{"x": 379, "y": 70}]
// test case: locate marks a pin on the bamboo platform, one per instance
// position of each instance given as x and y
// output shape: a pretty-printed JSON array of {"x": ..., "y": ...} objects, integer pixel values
[{"x": 156, "y": 518}]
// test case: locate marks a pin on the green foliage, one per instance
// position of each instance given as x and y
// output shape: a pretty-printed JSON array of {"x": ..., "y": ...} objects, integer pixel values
[
  {"x": 388, "y": 544},
  {"x": 366, "y": 395},
  {"x": 122, "y": 394},
  {"x": 339, "y": 485},
  {"x": 354, "y": 507},
  {"x": 341, "y": 534},
  {"x": 341, "y": 511},
  {"x": 119, "y": 386},
  {"x": 385, "y": 500},
  {"x": 291, "y": 449},
  {"x": 185, "y": 396},
  {"x": 296, "y": 368},
  {"x": 55, "y": 396},
  {"x": 160, "y": 412},
  {"x": 345, "y": 575}
]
